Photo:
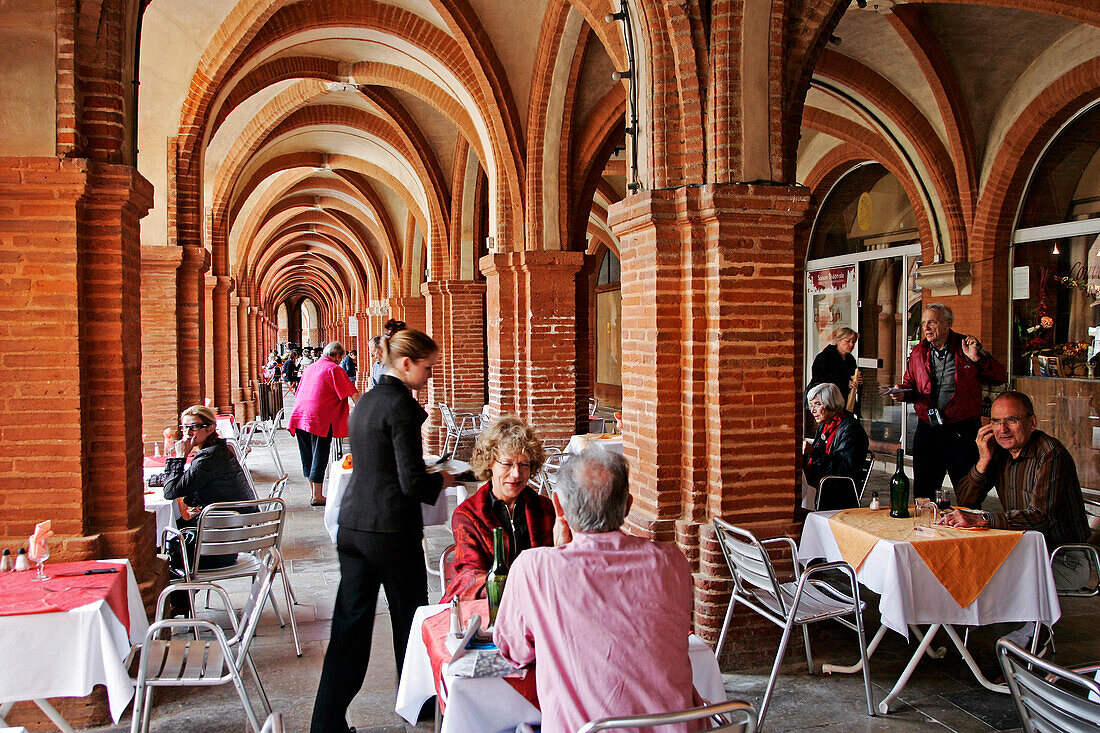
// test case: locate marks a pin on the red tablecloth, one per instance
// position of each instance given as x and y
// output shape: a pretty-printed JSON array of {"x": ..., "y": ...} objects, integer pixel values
[
  {"x": 21, "y": 594},
  {"x": 435, "y": 631}
]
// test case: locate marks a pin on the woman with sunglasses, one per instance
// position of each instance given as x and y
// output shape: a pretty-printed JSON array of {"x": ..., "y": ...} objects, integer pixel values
[
  {"x": 506, "y": 456},
  {"x": 213, "y": 475}
]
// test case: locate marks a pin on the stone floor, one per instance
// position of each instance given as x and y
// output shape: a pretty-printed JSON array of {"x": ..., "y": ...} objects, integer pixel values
[{"x": 942, "y": 695}]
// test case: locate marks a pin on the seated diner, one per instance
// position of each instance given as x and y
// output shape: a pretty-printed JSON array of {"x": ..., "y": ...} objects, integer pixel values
[
  {"x": 838, "y": 448},
  {"x": 505, "y": 457}
]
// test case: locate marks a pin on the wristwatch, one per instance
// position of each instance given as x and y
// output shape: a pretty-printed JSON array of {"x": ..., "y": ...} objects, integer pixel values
[{"x": 987, "y": 518}]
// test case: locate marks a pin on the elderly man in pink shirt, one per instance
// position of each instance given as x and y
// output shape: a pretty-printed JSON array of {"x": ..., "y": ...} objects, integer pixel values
[
  {"x": 608, "y": 613},
  {"x": 321, "y": 414}
]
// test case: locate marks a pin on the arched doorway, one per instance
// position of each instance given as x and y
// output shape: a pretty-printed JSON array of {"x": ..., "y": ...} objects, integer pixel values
[{"x": 861, "y": 268}]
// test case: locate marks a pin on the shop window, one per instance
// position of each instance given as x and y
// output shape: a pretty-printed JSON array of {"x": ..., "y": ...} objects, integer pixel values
[
  {"x": 609, "y": 309},
  {"x": 866, "y": 210}
]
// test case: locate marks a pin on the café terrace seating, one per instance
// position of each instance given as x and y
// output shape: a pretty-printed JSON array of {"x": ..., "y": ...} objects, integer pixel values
[
  {"x": 732, "y": 715},
  {"x": 1049, "y": 698}
]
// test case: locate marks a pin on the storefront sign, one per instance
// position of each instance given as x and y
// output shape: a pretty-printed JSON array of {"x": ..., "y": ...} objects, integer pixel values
[{"x": 830, "y": 281}]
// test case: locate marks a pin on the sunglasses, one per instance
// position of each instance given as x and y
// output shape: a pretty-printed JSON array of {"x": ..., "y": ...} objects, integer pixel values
[{"x": 193, "y": 427}]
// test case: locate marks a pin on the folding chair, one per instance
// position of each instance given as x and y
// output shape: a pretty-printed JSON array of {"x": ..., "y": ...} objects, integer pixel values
[
  {"x": 729, "y": 716},
  {"x": 246, "y": 528},
  {"x": 185, "y": 662},
  {"x": 460, "y": 425},
  {"x": 1061, "y": 700},
  {"x": 842, "y": 490},
  {"x": 257, "y": 433},
  {"x": 787, "y": 604}
]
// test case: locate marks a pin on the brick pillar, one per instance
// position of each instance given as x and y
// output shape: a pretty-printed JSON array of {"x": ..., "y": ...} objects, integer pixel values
[
  {"x": 190, "y": 324},
  {"x": 208, "y": 345},
  {"x": 710, "y": 323},
  {"x": 362, "y": 376},
  {"x": 244, "y": 406},
  {"x": 160, "y": 393},
  {"x": 223, "y": 370},
  {"x": 531, "y": 337}
]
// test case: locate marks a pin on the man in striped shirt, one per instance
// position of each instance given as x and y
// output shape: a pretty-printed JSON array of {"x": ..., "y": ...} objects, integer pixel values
[{"x": 1036, "y": 481}]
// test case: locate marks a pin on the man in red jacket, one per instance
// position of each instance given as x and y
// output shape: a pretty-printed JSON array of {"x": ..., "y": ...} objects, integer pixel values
[{"x": 943, "y": 379}]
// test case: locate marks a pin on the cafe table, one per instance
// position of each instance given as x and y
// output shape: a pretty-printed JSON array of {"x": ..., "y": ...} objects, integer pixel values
[
  {"x": 610, "y": 441},
  {"x": 490, "y": 704},
  {"x": 61, "y": 637},
  {"x": 939, "y": 579},
  {"x": 166, "y": 511}
]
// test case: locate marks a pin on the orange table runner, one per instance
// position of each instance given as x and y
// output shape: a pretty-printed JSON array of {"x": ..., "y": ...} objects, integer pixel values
[
  {"x": 434, "y": 632},
  {"x": 963, "y": 561}
]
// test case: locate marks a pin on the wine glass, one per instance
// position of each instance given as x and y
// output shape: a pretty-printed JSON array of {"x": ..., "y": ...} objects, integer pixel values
[
  {"x": 943, "y": 500},
  {"x": 40, "y": 552}
]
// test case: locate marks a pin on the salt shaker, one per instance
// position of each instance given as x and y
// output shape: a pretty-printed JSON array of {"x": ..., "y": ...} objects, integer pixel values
[
  {"x": 5, "y": 561},
  {"x": 21, "y": 560},
  {"x": 456, "y": 619},
  {"x": 874, "y": 501}
]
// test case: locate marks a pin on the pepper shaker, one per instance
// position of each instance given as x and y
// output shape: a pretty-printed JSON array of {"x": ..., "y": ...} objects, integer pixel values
[
  {"x": 21, "y": 560},
  {"x": 875, "y": 504},
  {"x": 5, "y": 561}
]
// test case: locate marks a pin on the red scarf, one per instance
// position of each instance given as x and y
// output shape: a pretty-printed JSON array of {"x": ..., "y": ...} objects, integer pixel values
[{"x": 828, "y": 431}]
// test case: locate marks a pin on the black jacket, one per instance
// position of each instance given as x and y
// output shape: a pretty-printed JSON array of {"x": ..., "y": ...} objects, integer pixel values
[
  {"x": 388, "y": 479},
  {"x": 830, "y": 366},
  {"x": 845, "y": 458},
  {"x": 214, "y": 475}
]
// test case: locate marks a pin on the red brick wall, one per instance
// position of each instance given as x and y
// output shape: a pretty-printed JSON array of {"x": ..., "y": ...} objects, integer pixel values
[{"x": 159, "y": 342}]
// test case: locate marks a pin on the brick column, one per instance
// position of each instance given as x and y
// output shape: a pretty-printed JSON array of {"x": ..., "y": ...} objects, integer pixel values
[
  {"x": 530, "y": 301},
  {"x": 245, "y": 407},
  {"x": 710, "y": 327},
  {"x": 223, "y": 370},
  {"x": 160, "y": 391},
  {"x": 190, "y": 325},
  {"x": 362, "y": 376}
]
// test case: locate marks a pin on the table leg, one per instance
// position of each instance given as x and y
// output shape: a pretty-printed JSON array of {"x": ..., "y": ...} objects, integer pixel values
[
  {"x": 932, "y": 653},
  {"x": 4, "y": 710},
  {"x": 965, "y": 653},
  {"x": 884, "y": 706},
  {"x": 858, "y": 666},
  {"x": 45, "y": 707}
]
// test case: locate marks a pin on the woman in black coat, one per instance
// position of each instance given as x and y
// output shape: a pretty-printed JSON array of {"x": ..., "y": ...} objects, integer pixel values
[
  {"x": 839, "y": 448},
  {"x": 836, "y": 365},
  {"x": 380, "y": 524}
]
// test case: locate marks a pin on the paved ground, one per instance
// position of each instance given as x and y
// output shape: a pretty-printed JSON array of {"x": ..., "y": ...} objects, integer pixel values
[{"x": 941, "y": 696}]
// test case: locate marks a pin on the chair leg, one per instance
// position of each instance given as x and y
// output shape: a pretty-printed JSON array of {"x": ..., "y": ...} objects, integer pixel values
[
  {"x": 259, "y": 684},
  {"x": 275, "y": 608},
  {"x": 725, "y": 626},
  {"x": 243, "y": 694},
  {"x": 139, "y": 704},
  {"x": 290, "y": 612},
  {"x": 286, "y": 582},
  {"x": 775, "y": 672},
  {"x": 809, "y": 654},
  {"x": 147, "y": 709},
  {"x": 865, "y": 659}
]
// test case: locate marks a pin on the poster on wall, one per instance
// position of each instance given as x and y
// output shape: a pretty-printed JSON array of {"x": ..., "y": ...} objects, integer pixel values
[{"x": 831, "y": 298}]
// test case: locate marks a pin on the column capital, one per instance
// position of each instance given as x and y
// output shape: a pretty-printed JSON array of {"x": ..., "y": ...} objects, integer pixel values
[{"x": 161, "y": 257}]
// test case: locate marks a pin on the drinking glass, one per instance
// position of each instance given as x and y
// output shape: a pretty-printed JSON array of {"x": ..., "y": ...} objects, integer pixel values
[
  {"x": 928, "y": 513},
  {"x": 943, "y": 500},
  {"x": 42, "y": 554}
]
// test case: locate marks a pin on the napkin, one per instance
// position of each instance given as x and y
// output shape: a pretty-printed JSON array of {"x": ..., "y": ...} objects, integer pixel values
[
  {"x": 36, "y": 544},
  {"x": 169, "y": 443},
  {"x": 347, "y": 462}
]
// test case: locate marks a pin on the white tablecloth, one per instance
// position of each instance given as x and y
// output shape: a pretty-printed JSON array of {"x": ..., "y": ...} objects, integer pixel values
[
  {"x": 66, "y": 654},
  {"x": 578, "y": 443},
  {"x": 1022, "y": 589},
  {"x": 338, "y": 478},
  {"x": 165, "y": 510},
  {"x": 488, "y": 705}
]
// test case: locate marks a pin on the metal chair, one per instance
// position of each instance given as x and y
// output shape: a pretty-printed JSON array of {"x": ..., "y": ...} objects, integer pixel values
[
  {"x": 730, "y": 716},
  {"x": 546, "y": 480},
  {"x": 246, "y": 528},
  {"x": 273, "y": 724},
  {"x": 1044, "y": 704},
  {"x": 460, "y": 425},
  {"x": 841, "y": 487},
  {"x": 446, "y": 568},
  {"x": 186, "y": 662},
  {"x": 256, "y": 433},
  {"x": 787, "y": 604},
  {"x": 1092, "y": 555},
  {"x": 241, "y": 454}
]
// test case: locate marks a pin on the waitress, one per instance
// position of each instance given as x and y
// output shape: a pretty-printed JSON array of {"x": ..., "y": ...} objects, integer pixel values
[
  {"x": 379, "y": 540},
  {"x": 836, "y": 365}
]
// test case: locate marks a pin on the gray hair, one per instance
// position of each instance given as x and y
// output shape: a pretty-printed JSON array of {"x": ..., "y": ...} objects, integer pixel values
[
  {"x": 333, "y": 349},
  {"x": 594, "y": 490},
  {"x": 945, "y": 312},
  {"x": 828, "y": 394}
]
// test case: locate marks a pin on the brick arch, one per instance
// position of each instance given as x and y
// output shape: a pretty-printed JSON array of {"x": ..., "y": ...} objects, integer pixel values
[
  {"x": 602, "y": 132},
  {"x": 289, "y": 277},
  {"x": 609, "y": 34},
  {"x": 878, "y": 149},
  {"x": 331, "y": 249},
  {"x": 1019, "y": 151},
  {"x": 1084, "y": 11},
  {"x": 903, "y": 114},
  {"x": 830, "y": 169}
]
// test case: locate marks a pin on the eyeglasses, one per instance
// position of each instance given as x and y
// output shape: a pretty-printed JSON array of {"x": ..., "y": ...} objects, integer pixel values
[
  {"x": 194, "y": 426},
  {"x": 508, "y": 466},
  {"x": 1009, "y": 421}
]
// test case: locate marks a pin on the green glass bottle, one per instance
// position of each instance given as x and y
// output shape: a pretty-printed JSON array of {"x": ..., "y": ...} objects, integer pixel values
[
  {"x": 899, "y": 490},
  {"x": 498, "y": 575}
]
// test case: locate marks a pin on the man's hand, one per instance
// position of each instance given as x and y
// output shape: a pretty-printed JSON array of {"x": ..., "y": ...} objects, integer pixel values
[
  {"x": 563, "y": 535},
  {"x": 449, "y": 480},
  {"x": 961, "y": 519},
  {"x": 897, "y": 396},
  {"x": 985, "y": 441},
  {"x": 970, "y": 348}
]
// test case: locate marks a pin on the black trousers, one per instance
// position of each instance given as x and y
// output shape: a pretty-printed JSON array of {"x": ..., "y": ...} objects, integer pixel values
[
  {"x": 367, "y": 560},
  {"x": 943, "y": 449}
]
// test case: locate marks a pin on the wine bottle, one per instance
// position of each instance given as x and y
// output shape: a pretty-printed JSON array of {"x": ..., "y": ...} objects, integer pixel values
[
  {"x": 899, "y": 490},
  {"x": 498, "y": 575}
]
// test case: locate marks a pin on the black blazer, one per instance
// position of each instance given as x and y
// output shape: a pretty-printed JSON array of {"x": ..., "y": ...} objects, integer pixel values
[
  {"x": 388, "y": 478},
  {"x": 846, "y": 457},
  {"x": 214, "y": 475}
]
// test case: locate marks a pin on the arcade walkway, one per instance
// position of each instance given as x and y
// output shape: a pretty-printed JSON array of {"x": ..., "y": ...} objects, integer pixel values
[{"x": 941, "y": 696}]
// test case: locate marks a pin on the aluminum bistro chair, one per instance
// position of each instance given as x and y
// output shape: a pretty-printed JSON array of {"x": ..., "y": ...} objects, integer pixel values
[
  {"x": 787, "y": 604},
  {"x": 546, "y": 481},
  {"x": 460, "y": 425},
  {"x": 257, "y": 434},
  {"x": 186, "y": 662},
  {"x": 843, "y": 489},
  {"x": 241, "y": 454},
  {"x": 1054, "y": 702},
  {"x": 446, "y": 567},
  {"x": 730, "y": 716},
  {"x": 247, "y": 528}
]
